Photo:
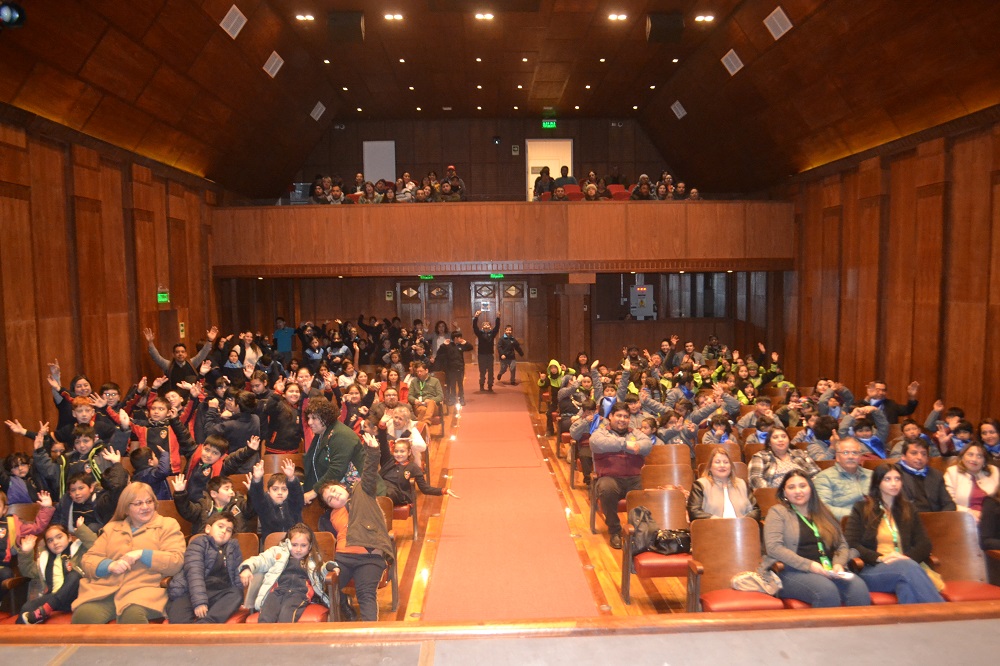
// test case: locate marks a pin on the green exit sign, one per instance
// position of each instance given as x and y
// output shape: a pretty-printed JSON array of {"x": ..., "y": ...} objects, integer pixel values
[
  {"x": 163, "y": 297},
  {"x": 426, "y": 277},
  {"x": 496, "y": 276},
  {"x": 548, "y": 124}
]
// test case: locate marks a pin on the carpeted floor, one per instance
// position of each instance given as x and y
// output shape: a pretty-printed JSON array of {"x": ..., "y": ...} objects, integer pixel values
[{"x": 505, "y": 551}]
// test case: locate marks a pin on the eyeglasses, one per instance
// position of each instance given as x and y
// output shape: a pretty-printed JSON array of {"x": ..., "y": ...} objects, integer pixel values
[
  {"x": 108, "y": 394},
  {"x": 851, "y": 453},
  {"x": 142, "y": 503}
]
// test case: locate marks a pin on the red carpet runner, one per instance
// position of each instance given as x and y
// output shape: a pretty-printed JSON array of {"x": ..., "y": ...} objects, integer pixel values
[{"x": 505, "y": 551}]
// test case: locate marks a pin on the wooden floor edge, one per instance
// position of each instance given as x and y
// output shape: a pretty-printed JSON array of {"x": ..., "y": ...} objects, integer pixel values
[{"x": 421, "y": 632}]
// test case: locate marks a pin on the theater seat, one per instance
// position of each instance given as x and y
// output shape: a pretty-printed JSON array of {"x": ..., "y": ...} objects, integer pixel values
[
  {"x": 958, "y": 557},
  {"x": 668, "y": 508},
  {"x": 725, "y": 601},
  {"x": 883, "y": 599},
  {"x": 312, "y": 613},
  {"x": 655, "y": 565},
  {"x": 970, "y": 590}
]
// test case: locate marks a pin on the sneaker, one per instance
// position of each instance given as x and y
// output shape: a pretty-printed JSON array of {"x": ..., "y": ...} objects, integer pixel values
[
  {"x": 36, "y": 616},
  {"x": 616, "y": 541}
]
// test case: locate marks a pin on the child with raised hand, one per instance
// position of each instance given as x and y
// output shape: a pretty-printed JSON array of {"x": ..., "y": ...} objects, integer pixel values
[
  {"x": 398, "y": 469},
  {"x": 280, "y": 507},
  {"x": 211, "y": 460},
  {"x": 56, "y": 569},
  {"x": 220, "y": 497},
  {"x": 12, "y": 530},
  {"x": 363, "y": 544},
  {"x": 208, "y": 590},
  {"x": 88, "y": 455},
  {"x": 281, "y": 581},
  {"x": 152, "y": 471}
]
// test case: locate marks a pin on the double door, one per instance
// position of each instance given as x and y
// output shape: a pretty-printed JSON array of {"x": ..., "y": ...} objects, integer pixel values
[{"x": 507, "y": 299}]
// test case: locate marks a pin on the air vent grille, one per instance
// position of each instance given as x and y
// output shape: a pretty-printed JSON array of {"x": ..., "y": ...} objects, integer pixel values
[{"x": 233, "y": 22}]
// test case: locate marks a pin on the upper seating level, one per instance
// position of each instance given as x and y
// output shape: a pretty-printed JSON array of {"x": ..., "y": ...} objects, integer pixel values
[{"x": 515, "y": 237}]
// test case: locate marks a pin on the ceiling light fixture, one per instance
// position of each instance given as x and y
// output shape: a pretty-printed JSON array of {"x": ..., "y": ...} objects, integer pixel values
[
  {"x": 519, "y": 87},
  {"x": 484, "y": 17},
  {"x": 479, "y": 108},
  {"x": 479, "y": 87},
  {"x": 393, "y": 17},
  {"x": 359, "y": 109},
  {"x": 402, "y": 60},
  {"x": 515, "y": 108},
  {"x": 706, "y": 18},
  {"x": 652, "y": 87},
  {"x": 577, "y": 107},
  {"x": 603, "y": 59},
  {"x": 524, "y": 60},
  {"x": 411, "y": 87},
  {"x": 418, "y": 108},
  {"x": 635, "y": 108},
  {"x": 326, "y": 61},
  {"x": 617, "y": 17},
  {"x": 305, "y": 17},
  {"x": 479, "y": 59},
  {"x": 677, "y": 60},
  {"x": 12, "y": 15},
  {"x": 345, "y": 88},
  {"x": 587, "y": 86}
]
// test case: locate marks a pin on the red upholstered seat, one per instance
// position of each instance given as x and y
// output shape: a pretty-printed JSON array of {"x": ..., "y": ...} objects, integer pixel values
[
  {"x": 622, "y": 506},
  {"x": 721, "y": 601},
  {"x": 795, "y": 604},
  {"x": 401, "y": 512},
  {"x": 312, "y": 613},
  {"x": 655, "y": 565},
  {"x": 883, "y": 599},
  {"x": 968, "y": 590},
  {"x": 7, "y": 619}
]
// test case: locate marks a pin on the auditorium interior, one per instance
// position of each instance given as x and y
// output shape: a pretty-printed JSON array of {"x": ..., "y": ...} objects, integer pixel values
[{"x": 155, "y": 165}]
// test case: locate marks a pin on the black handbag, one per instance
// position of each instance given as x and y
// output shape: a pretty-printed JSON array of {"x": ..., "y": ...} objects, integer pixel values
[
  {"x": 644, "y": 530},
  {"x": 671, "y": 542}
]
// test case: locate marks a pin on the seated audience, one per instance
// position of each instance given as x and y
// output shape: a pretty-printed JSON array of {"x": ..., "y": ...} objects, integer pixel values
[
  {"x": 846, "y": 483},
  {"x": 719, "y": 493},
  {"x": 971, "y": 480},
  {"x": 767, "y": 468},
  {"x": 923, "y": 486}
]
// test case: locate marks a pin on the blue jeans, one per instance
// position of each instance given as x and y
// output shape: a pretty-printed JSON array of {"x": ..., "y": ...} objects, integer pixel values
[
  {"x": 904, "y": 578},
  {"x": 821, "y": 592}
]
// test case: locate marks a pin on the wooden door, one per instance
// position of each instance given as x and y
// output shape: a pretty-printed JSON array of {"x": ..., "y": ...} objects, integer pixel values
[
  {"x": 507, "y": 299},
  {"x": 428, "y": 300}
]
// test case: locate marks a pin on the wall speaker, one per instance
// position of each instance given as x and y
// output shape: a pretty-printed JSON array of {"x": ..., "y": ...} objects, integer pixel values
[
  {"x": 664, "y": 28},
  {"x": 346, "y": 27}
]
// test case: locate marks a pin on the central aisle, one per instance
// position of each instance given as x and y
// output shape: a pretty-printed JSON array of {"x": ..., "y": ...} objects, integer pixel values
[{"x": 505, "y": 550}]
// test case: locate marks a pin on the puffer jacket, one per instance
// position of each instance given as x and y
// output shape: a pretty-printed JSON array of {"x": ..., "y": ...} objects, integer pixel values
[
  {"x": 199, "y": 559},
  {"x": 267, "y": 568}
]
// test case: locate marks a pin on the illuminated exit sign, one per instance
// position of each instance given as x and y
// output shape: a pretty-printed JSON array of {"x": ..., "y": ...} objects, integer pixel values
[
  {"x": 548, "y": 124},
  {"x": 496, "y": 276}
]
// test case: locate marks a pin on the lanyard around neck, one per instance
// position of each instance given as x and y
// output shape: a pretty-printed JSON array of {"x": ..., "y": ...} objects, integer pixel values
[
  {"x": 893, "y": 530},
  {"x": 823, "y": 558}
]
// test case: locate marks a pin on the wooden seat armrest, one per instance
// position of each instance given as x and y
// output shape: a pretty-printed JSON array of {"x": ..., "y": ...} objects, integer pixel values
[
  {"x": 12, "y": 583},
  {"x": 164, "y": 582},
  {"x": 695, "y": 567},
  {"x": 855, "y": 564},
  {"x": 695, "y": 570},
  {"x": 993, "y": 554}
]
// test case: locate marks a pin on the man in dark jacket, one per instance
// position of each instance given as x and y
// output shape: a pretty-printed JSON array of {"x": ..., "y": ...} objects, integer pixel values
[
  {"x": 892, "y": 409},
  {"x": 486, "y": 335},
  {"x": 923, "y": 485}
]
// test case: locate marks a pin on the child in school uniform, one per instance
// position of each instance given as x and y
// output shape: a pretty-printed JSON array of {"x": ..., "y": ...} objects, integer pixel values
[
  {"x": 284, "y": 579},
  {"x": 151, "y": 471},
  {"x": 55, "y": 570},
  {"x": 279, "y": 507},
  {"x": 211, "y": 459},
  {"x": 398, "y": 468},
  {"x": 78, "y": 502},
  {"x": 208, "y": 589},
  {"x": 20, "y": 480},
  {"x": 220, "y": 497}
]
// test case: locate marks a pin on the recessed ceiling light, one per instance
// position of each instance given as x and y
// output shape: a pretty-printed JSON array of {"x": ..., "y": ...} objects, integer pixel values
[
  {"x": 652, "y": 87},
  {"x": 419, "y": 109},
  {"x": 484, "y": 17},
  {"x": 393, "y": 17},
  {"x": 479, "y": 59},
  {"x": 359, "y": 108},
  {"x": 305, "y": 17},
  {"x": 326, "y": 61},
  {"x": 520, "y": 87},
  {"x": 681, "y": 272},
  {"x": 345, "y": 88},
  {"x": 479, "y": 87},
  {"x": 617, "y": 17},
  {"x": 402, "y": 60},
  {"x": 524, "y": 60},
  {"x": 707, "y": 18},
  {"x": 411, "y": 87},
  {"x": 479, "y": 108},
  {"x": 446, "y": 108},
  {"x": 677, "y": 59},
  {"x": 515, "y": 108},
  {"x": 603, "y": 59},
  {"x": 577, "y": 107},
  {"x": 635, "y": 108},
  {"x": 587, "y": 86}
]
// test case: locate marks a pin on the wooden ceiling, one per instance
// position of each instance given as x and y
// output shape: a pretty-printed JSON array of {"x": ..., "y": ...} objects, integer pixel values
[{"x": 161, "y": 78}]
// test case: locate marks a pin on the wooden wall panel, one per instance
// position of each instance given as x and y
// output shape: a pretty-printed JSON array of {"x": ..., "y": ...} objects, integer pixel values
[
  {"x": 69, "y": 282},
  {"x": 917, "y": 282}
]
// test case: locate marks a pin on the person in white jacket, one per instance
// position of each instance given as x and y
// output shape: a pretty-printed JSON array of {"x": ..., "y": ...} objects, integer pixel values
[
  {"x": 286, "y": 578},
  {"x": 971, "y": 480}
]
